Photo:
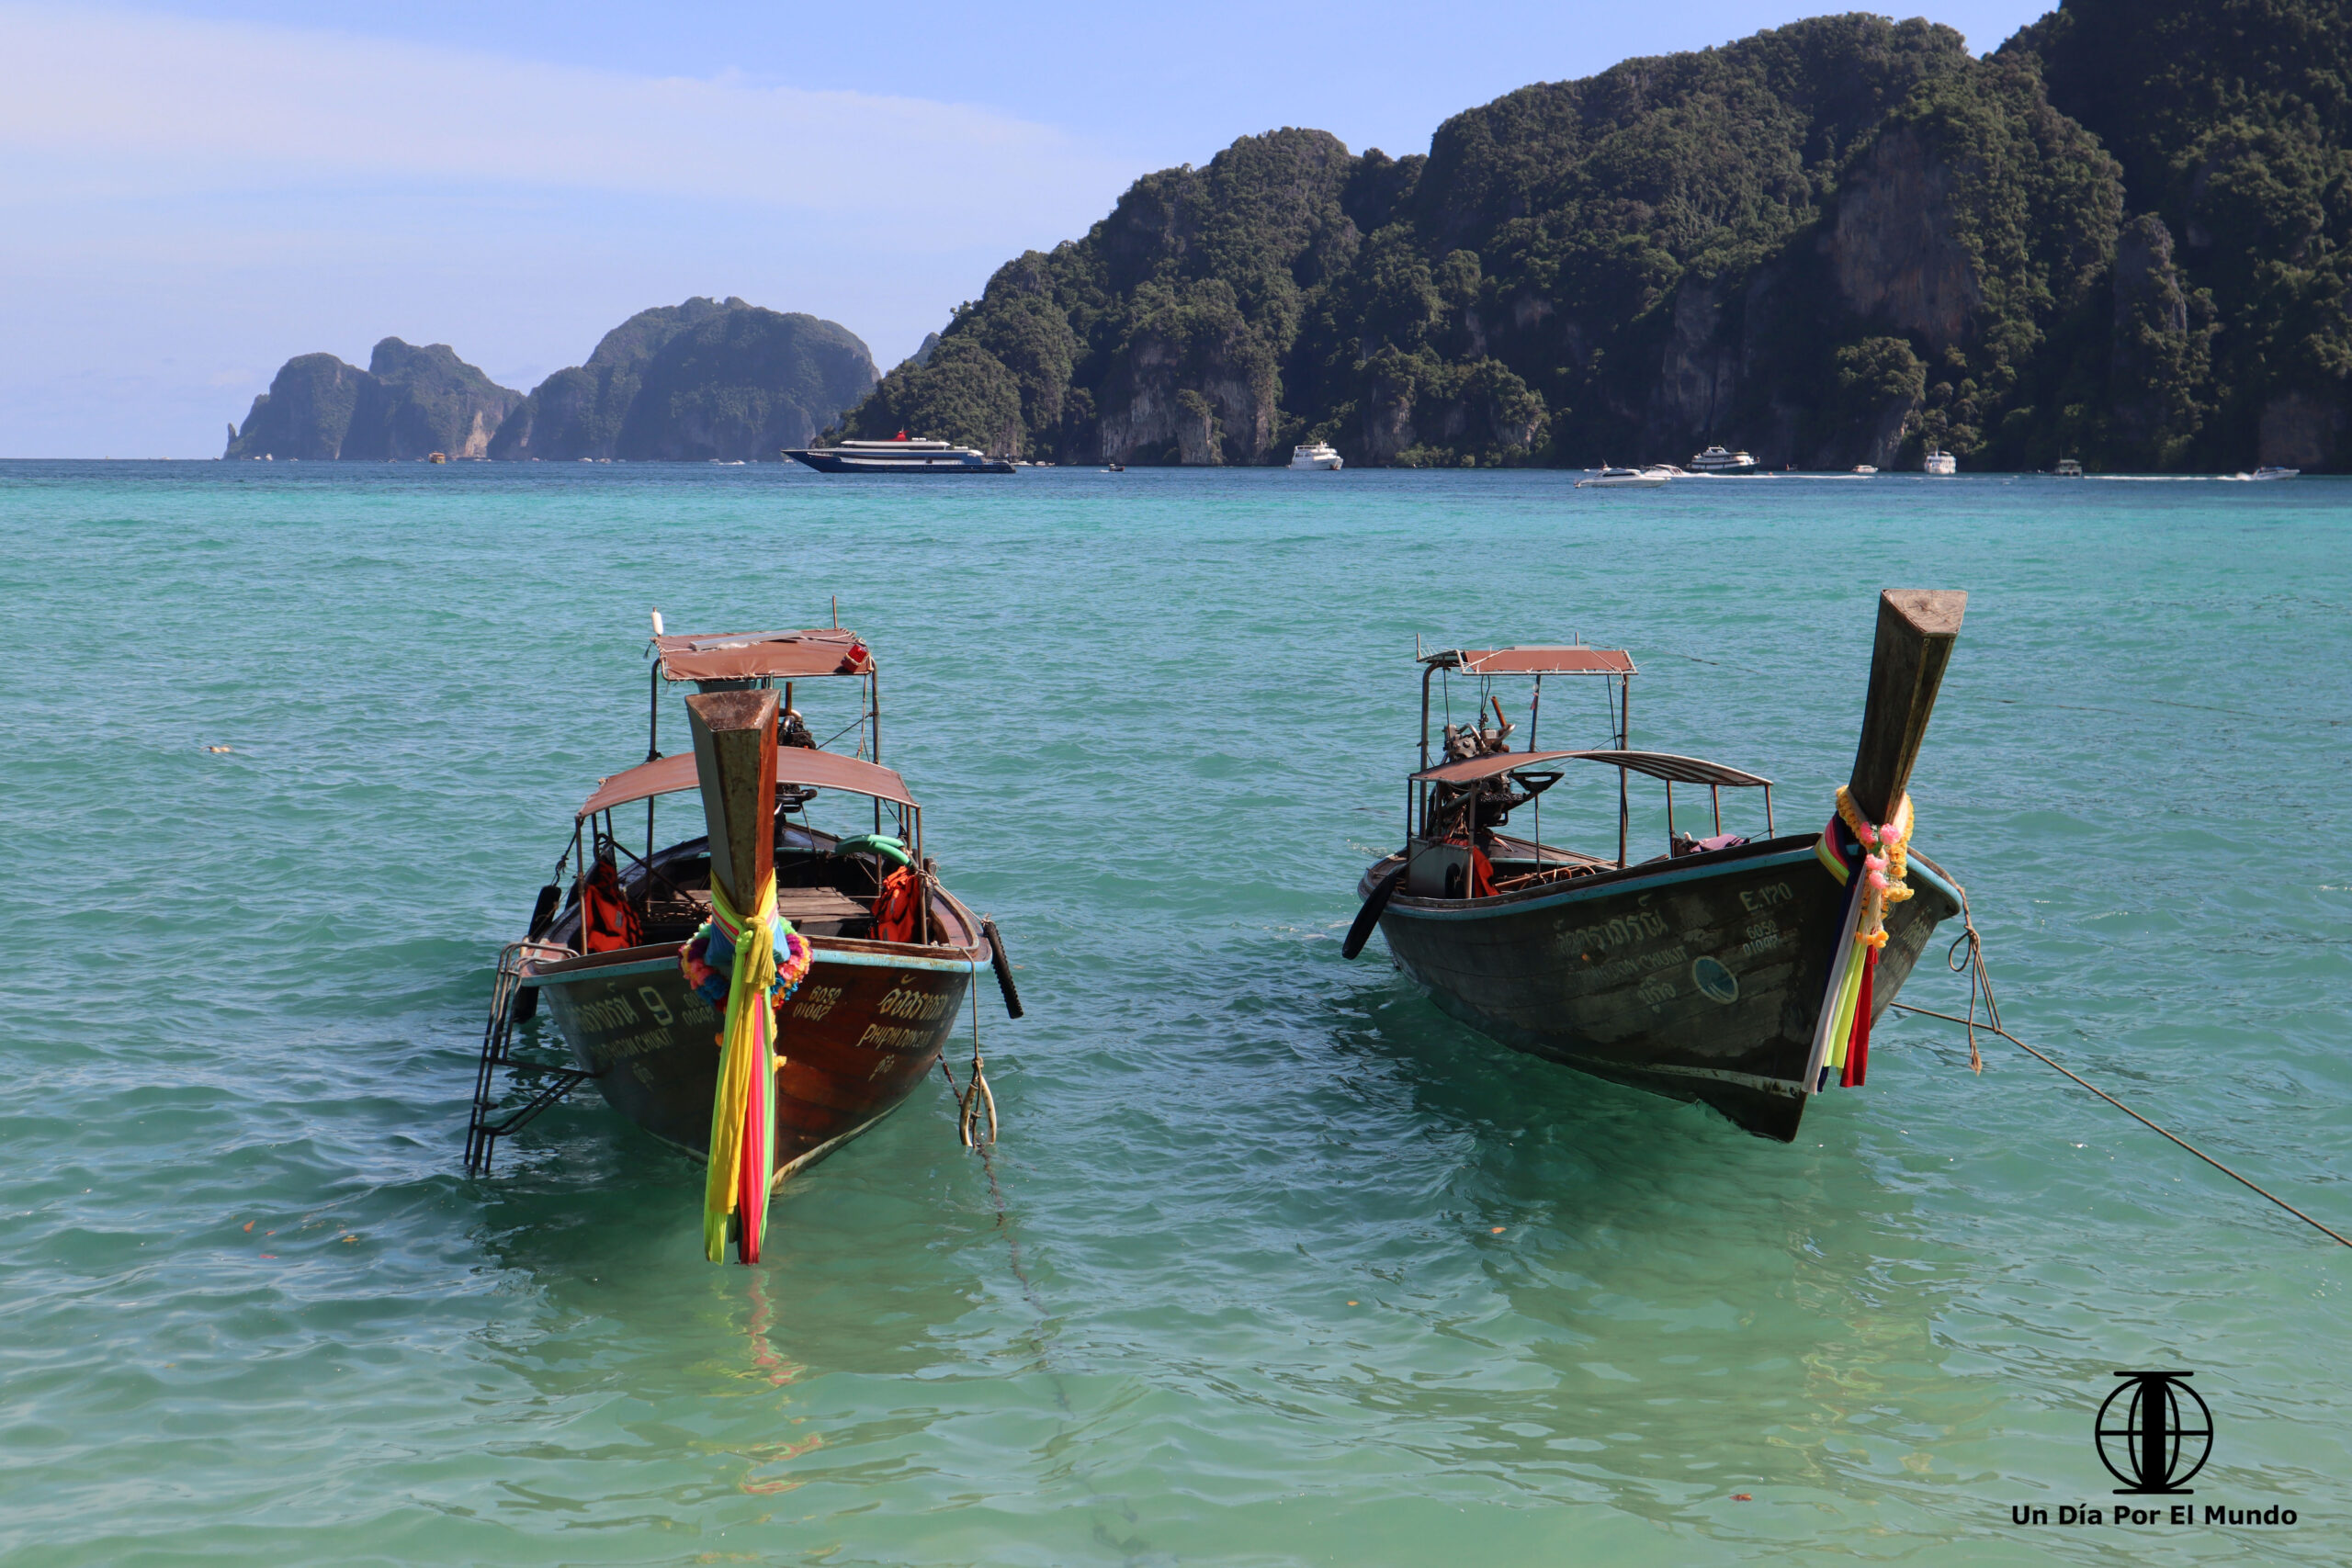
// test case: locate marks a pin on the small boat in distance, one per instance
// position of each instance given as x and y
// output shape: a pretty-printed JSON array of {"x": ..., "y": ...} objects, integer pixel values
[
  {"x": 898, "y": 456},
  {"x": 2269, "y": 472},
  {"x": 1716, "y": 460},
  {"x": 1741, "y": 972},
  {"x": 2067, "y": 468},
  {"x": 1316, "y": 454},
  {"x": 1626, "y": 479},
  {"x": 1865, "y": 469},
  {"x": 1941, "y": 462}
]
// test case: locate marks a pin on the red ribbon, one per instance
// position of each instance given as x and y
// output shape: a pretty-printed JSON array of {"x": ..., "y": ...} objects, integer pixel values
[{"x": 1857, "y": 1048}]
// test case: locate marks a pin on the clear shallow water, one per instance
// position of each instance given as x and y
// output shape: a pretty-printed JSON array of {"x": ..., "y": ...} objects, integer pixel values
[{"x": 1236, "y": 1293}]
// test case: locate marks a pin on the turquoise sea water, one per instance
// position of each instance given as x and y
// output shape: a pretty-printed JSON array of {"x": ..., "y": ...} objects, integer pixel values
[{"x": 1275, "y": 1265}]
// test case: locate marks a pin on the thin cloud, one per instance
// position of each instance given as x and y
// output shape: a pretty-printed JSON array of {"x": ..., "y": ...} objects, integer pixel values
[{"x": 123, "y": 104}]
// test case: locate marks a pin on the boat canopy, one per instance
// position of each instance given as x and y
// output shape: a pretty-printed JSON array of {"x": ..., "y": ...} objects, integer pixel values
[
  {"x": 1576, "y": 661},
  {"x": 750, "y": 656},
  {"x": 1655, "y": 764},
  {"x": 794, "y": 765}
]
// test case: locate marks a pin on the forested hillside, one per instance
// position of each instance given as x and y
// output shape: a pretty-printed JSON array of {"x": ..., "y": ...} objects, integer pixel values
[
  {"x": 709, "y": 378},
  {"x": 2117, "y": 237}
]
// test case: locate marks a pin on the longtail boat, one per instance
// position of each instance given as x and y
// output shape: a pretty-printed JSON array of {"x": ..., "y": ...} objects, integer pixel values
[
  {"x": 1742, "y": 972},
  {"x": 775, "y": 1041}
]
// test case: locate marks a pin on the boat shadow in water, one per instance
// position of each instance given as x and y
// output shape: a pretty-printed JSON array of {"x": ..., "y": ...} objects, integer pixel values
[
  {"x": 1665, "y": 1311},
  {"x": 587, "y": 1220}
]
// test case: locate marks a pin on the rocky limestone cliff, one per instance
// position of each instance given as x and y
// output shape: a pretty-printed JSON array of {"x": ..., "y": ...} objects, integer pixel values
[
  {"x": 578, "y": 412},
  {"x": 305, "y": 414},
  {"x": 1893, "y": 248},
  {"x": 420, "y": 400},
  {"x": 703, "y": 379},
  {"x": 408, "y": 403}
]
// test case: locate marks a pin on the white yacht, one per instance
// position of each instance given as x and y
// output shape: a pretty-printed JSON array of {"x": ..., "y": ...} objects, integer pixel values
[
  {"x": 1316, "y": 454},
  {"x": 1716, "y": 460},
  {"x": 1865, "y": 469},
  {"x": 2068, "y": 468},
  {"x": 2272, "y": 472},
  {"x": 900, "y": 456},
  {"x": 1626, "y": 479},
  {"x": 1940, "y": 462}
]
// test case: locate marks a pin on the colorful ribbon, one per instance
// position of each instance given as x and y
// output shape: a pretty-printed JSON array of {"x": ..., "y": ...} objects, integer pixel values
[
  {"x": 742, "y": 1114},
  {"x": 1842, "y": 1039}
]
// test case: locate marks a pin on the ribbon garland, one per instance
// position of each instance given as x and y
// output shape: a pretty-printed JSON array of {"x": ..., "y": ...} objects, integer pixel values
[
  {"x": 1880, "y": 853},
  {"x": 761, "y": 962}
]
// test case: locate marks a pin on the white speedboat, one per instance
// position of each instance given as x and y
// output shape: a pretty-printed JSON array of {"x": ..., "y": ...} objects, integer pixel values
[
  {"x": 1865, "y": 469},
  {"x": 900, "y": 456},
  {"x": 1626, "y": 479},
  {"x": 1940, "y": 462},
  {"x": 1716, "y": 460},
  {"x": 2271, "y": 472},
  {"x": 1316, "y": 454}
]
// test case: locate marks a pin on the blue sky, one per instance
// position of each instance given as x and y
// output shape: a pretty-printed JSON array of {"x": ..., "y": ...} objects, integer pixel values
[{"x": 191, "y": 194}]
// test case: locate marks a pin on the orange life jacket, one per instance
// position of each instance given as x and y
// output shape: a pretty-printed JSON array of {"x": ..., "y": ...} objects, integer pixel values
[
  {"x": 894, "y": 912},
  {"x": 1482, "y": 874},
  {"x": 607, "y": 924}
]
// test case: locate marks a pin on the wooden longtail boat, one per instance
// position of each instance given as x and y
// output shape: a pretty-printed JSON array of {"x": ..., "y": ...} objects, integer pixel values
[
  {"x": 1710, "y": 972},
  {"x": 890, "y": 964}
]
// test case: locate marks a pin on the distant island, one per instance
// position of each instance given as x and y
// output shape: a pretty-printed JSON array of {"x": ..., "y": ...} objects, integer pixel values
[
  {"x": 2123, "y": 237},
  {"x": 709, "y": 378},
  {"x": 409, "y": 402}
]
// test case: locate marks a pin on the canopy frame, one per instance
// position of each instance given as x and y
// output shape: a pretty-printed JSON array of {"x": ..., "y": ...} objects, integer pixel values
[
  {"x": 719, "y": 662},
  {"x": 1574, "y": 658}
]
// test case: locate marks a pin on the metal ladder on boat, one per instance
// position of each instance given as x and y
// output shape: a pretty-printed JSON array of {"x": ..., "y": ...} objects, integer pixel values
[{"x": 487, "y": 1124}]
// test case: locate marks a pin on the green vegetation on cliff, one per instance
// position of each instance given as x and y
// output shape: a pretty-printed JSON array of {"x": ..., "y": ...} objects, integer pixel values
[
  {"x": 2232, "y": 320},
  {"x": 2120, "y": 237},
  {"x": 707, "y": 379},
  {"x": 704, "y": 379},
  {"x": 410, "y": 401}
]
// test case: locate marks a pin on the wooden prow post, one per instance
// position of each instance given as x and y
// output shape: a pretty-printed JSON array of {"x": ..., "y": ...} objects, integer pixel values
[
  {"x": 1917, "y": 627},
  {"x": 735, "y": 763}
]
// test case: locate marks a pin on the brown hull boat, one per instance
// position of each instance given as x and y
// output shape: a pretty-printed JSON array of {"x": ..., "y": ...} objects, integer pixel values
[
  {"x": 863, "y": 1030},
  {"x": 892, "y": 952}
]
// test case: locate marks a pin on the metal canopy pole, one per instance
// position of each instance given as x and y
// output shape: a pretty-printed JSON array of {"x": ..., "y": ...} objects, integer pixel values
[
  {"x": 652, "y": 743},
  {"x": 1428, "y": 670},
  {"x": 1624, "y": 800}
]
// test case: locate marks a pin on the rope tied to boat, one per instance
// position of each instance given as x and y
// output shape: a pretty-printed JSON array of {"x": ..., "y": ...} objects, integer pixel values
[
  {"x": 742, "y": 1113},
  {"x": 1981, "y": 979},
  {"x": 973, "y": 1095}
]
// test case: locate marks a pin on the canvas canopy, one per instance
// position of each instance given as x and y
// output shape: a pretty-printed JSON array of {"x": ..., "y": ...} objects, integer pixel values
[
  {"x": 794, "y": 765},
  {"x": 1534, "y": 661},
  {"x": 1656, "y": 764},
  {"x": 749, "y": 656}
]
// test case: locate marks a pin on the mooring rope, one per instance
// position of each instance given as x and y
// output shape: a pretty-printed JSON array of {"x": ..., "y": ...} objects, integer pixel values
[
  {"x": 970, "y": 1096},
  {"x": 1981, "y": 977}
]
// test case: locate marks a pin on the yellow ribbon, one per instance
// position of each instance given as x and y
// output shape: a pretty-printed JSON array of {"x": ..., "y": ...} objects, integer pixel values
[{"x": 745, "y": 1055}]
